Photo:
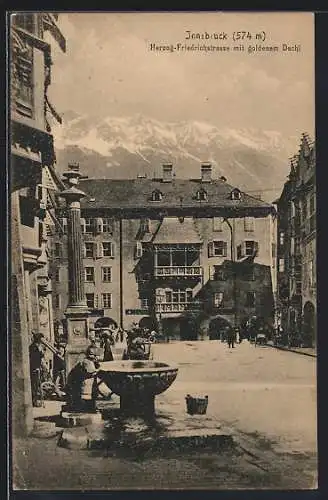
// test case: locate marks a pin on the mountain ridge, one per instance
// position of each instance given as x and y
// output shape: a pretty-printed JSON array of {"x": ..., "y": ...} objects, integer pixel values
[{"x": 124, "y": 147}]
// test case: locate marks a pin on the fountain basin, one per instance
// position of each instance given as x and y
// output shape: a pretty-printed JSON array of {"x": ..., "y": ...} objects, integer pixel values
[{"x": 137, "y": 383}]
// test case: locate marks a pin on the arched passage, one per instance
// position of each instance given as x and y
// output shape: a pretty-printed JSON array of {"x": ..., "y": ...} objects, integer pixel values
[
  {"x": 105, "y": 322},
  {"x": 146, "y": 322},
  {"x": 309, "y": 325},
  {"x": 217, "y": 327}
]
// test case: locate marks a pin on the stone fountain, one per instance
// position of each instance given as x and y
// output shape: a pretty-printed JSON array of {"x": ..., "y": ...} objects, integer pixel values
[{"x": 137, "y": 383}]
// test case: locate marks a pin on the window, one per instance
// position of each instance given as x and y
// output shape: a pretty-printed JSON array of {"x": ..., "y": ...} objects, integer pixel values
[
  {"x": 89, "y": 250},
  {"x": 58, "y": 250},
  {"x": 156, "y": 195},
  {"x": 63, "y": 223},
  {"x": 90, "y": 274},
  {"x": 90, "y": 300},
  {"x": 219, "y": 274},
  {"x": 178, "y": 296},
  {"x": 89, "y": 225},
  {"x": 163, "y": 258},
  {"x": 57, "y": 301},
  {"x": 249, "y": 274},
  {"x": 201, "y": 195},
  {"x": 145, "y": 225},
  {"x": 57, "y": 275},
  {"x": 107, "y": 225},
  {"x": 249, "y": 223},
  {"x": 235, "y": 194},
  {"x": 107, "y": 300},
  {"x": 217, "y": 223},
  {"x": 138, "y": 250},
  {"x": 304, "y": 209},
  {"x": 282, "y": 238},
  {"x": 25, "y": 21},
  {"x": 217, "y": 299},
  {"x": 99, "y": 225},
  {"x": 281, "y": 265},
  {"x": 144, "y": 303},
  {"x": 217, "y": 249},
  {"x": 250, "y": 299},
  {"x": 106, "y": 274},
  {"x": 251, "y": 247},
  {"x": 107, "y": 249}
]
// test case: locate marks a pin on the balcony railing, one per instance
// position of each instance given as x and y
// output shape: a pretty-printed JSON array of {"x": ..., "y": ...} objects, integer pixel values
[
  {"x": 169, "y": 271},
  {"x": 167, "y": 307}
]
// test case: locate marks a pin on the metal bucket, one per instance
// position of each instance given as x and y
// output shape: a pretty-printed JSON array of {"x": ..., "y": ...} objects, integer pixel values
[{"x": 196, "y": 406}]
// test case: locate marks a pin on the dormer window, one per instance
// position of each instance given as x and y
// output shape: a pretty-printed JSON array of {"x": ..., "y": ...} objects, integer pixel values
[
  {"x": 235, "y": 194},
  {"x": 201, "y": 195},
  {"x": 156, "y": 195}
]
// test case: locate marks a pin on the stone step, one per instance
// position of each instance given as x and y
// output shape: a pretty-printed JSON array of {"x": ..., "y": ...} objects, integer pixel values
[{"x": 97, "y": 437}]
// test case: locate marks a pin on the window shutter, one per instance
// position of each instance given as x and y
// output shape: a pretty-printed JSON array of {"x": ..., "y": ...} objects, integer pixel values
[
  {"x": 83, "y": 225},
  {"x": 113, "y": 249},
  {"x": 98, "y": 250},
  {"x": 256, "y": 247},
  {"x": 225, "y": 249},
  {"x": 84, "y": 251},
  {"x": 99, "y": 225},
  {"x": 243, "y": 249},
  {"x": 211, "y": 249},
  {"x": 138, "y": 250},
  {"x": 65, "y": 225}
]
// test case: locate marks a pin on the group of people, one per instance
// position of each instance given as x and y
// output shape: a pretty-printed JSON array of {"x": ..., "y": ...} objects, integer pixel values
[
  {"x": 81, "y": 382},
  {"x": 39, "y": 371}
]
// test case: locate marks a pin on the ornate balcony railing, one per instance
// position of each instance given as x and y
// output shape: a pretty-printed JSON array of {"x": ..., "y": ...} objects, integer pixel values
[
  {"x": 176, "y": 271},
  {"x": 167, "y": 307}
]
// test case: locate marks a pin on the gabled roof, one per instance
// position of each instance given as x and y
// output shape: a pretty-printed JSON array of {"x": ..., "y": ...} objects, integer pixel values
[
  {"x": 172, "y": 231},
  {"x": 136, "y": 194}
]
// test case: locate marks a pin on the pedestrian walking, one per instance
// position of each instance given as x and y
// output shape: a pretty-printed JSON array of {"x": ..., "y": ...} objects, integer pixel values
[{"x": 231, "y": 337}]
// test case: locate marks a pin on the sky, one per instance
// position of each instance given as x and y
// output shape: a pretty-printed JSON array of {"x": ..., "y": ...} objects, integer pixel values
[{"x": 108, "y": 70}]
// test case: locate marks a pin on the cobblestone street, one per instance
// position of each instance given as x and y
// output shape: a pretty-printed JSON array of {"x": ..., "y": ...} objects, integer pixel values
[{"x": 265, "y": 396}]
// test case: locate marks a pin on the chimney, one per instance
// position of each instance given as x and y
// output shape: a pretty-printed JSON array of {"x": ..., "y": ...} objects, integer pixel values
[
  {"x": 206, "y": 172},
  {"x": 167, "y": 172}
]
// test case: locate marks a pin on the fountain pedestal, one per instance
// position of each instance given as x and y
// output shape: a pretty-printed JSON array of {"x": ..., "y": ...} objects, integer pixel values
[{"x": 137, "y": 405}]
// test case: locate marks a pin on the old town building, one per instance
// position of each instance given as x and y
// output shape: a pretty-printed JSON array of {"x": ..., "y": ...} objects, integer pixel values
[
  {"x": 296, "y": 258},
  {"x": 33, "y": 183},
  {"x": 177, "y": 255}
]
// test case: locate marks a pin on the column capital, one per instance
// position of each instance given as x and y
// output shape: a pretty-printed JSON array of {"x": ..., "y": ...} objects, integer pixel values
[{"x": 72, "y": 194}]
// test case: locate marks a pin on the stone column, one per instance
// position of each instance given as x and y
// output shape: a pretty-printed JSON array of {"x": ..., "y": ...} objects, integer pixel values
[{"x": 77, "y": 312}]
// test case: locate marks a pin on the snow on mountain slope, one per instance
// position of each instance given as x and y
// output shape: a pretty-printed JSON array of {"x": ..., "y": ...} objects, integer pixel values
[{"x": 122, "y": 147}]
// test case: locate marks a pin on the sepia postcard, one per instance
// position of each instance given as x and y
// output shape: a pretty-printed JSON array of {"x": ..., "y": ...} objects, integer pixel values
[{"x": 163, "y": 251}]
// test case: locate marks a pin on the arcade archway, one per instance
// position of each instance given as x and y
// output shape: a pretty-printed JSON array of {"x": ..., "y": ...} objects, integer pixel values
[
  {"x": 217, "y": 327},
  {"x": 309, "y": 325},
  {"x": 146, "y": 322},
  {"x": 104, "y": 322}
]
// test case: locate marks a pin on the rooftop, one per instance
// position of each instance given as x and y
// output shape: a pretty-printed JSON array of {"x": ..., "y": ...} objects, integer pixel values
[{"x": 137, "y": 194}]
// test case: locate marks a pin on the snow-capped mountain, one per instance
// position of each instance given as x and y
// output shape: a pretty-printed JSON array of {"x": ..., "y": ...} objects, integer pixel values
[{"x": 123, "y": 147}]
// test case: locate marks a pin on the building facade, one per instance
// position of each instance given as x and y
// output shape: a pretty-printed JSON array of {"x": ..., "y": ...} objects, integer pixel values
[
  {"x": 296, "y": 260},
  {"x": 33, "y": 182},
  {"x": 157, "y": 252}
]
